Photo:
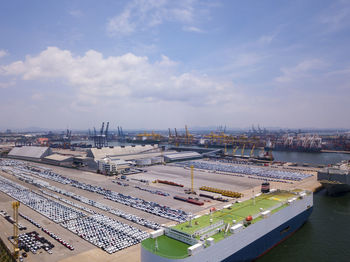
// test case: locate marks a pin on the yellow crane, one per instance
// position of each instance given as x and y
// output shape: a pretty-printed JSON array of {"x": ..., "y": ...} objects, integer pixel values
[
  {"x": 15, "y": 206},
  {"x": 234, "y": 150},
  {"x": 252, "y": 151},
  {"x": 242, "y": 151},
  {"x": 152, "y": 135}
]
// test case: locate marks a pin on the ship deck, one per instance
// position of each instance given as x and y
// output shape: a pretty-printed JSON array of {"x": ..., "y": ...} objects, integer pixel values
[{"x": 171, "y": 248}]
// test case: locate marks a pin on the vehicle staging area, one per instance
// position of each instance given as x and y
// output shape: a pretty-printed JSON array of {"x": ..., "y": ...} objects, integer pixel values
[{"x": 104, "y": 218}]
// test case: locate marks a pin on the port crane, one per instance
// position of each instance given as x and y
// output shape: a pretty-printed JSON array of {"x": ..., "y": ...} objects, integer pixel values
[
  {"x": 121, "y": 136},
  {"x": 234, "y": 150},
  {"x": 148, "y": 136},
  {"x": 100, "y": 140},
  {"x": 15, "y": 206},
  {"x": 252, "y": 151},
  {"x": 106, "y": 132},
  {"x": 176, "y": 138}
]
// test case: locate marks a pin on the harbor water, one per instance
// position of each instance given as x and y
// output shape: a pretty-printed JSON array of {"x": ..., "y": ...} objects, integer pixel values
[
  {"x": 310, "y": 158},
  {"x": 324, "y": 237}
]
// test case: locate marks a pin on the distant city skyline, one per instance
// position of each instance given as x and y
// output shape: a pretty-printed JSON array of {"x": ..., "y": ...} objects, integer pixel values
[{"x": 148, "y": 64}]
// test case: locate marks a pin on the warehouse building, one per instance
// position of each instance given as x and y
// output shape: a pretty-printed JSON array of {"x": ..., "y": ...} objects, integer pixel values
[
  {"x": 32, "y": 153},
  {"x": 181, "y": 156},
  {"x": 101, "y": 153},
  {"x": 59, "y": 160},
  {"x": 147, "y": 161}
]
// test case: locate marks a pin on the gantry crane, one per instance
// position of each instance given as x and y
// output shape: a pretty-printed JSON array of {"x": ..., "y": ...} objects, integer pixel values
[
  {"x": 170, "y": 136},
  {"x": 176, "y": 138},
  {"x": 242, "y": 151},
  {"x": 15, "y": 206},
  {"x": 252, "y": 151},
  {"x": 148, "y": 136},
  {"x": 187, "y": 135}
]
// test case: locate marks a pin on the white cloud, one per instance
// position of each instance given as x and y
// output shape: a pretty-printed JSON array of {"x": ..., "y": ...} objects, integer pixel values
[
  {"x": 166, "y": 62},
  {"x": 301, "y": 70},
  {"x": 121, "y": 24},
  {"x": 3, "y": 53},
  {"x": 140, "y": 15},
  {"x": 335, "y": 17},
  {"x": 97, "y": 79},
  {"x": 192, "y": 29}
]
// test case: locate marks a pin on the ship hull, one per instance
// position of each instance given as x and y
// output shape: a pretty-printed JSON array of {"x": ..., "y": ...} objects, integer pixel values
[
  {"x": 297, "y": 149},
  {"x": 334, "y": 189},
  {"x": 253, "y": 241},
  {"x": 264, "y": 244}
]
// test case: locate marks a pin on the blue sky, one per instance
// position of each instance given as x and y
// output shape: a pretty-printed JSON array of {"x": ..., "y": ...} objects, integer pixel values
[{"x": 159, "y": 64}]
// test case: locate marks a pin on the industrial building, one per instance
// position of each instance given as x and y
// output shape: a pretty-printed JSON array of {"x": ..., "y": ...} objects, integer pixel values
[
  {"x": 32, "y": 153},
  {"x": 101, "y": 153},
  {"x": 58, "y": 160},
  {"x": 149, "y": 161},
  {"x": 111, "y": 166},
  {"x": 181, "y": 156}
]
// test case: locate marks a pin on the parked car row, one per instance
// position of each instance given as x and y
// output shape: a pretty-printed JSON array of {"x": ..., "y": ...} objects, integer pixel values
[
  {"x": 10, "y": 220},
  {"x": 105, "y": 233},
  {"x": 86, "y": 209},
  {"x": 127, "y": 216},
  {"x": 138, "y": 203},
  {"x": 130, "y": 217},
  {"x": 148, "y": 206},
  {"x": 100, "y": 230},
  {"x": 53, "y": 210},
  {"x": 58, "y": 239},
  {"x": 271, "y": 180},
  {"x": 32, "y": 241},
  {"x": 120, "y": 183},
  {"x": 246, "y": 170},
  {"x": 64, "y": 243},
  {"x": 156, "y": 192},
  {"x": 30, "y": 220}
]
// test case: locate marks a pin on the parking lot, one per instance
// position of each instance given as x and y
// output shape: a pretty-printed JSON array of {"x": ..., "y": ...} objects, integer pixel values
[{"x": 76, "y": 206}]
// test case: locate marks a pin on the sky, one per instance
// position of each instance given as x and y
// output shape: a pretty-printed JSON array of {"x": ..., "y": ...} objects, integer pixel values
[{"x": 156, "y": 64}]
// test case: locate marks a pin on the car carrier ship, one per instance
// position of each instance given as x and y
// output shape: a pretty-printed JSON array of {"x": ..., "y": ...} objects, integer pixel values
[
  {"x": 335, "y": 178},
  {"x": 241, "y": 231}
]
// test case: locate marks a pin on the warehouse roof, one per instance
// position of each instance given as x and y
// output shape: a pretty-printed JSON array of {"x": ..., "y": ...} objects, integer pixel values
[
  {"x": 141, "y": 156},
  {"x": 58, "y": 157},
  {"x": 36, "y": 152},
  {"x": 100, "y": 153},
  {"x": 182, "y": 155},
  {"x": 63, "y": 151}
]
